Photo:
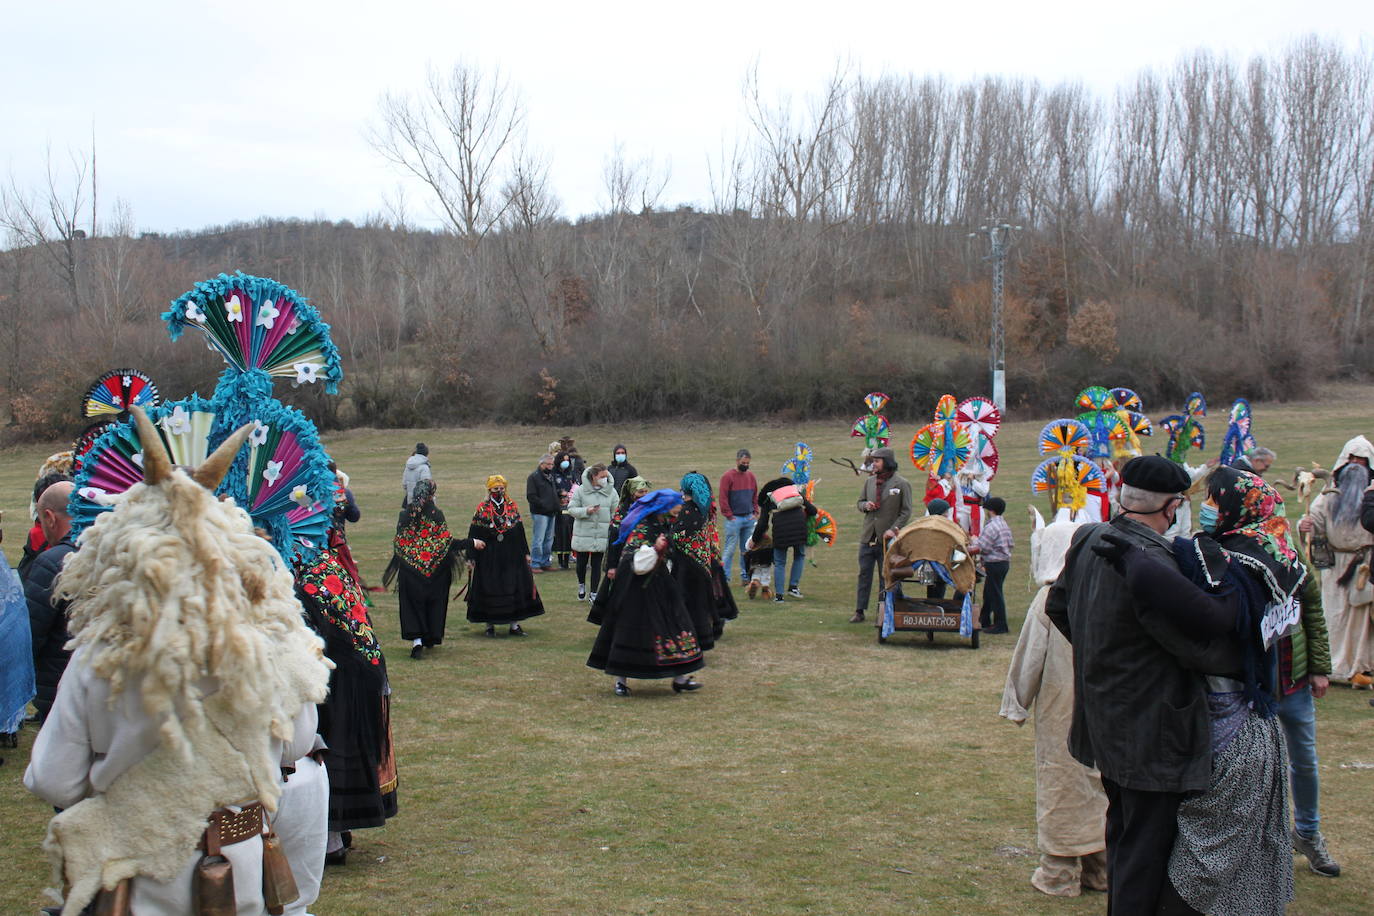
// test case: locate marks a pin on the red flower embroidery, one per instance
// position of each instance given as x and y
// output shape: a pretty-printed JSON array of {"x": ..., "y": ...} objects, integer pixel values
[
  {"x": 310, "y": 588},
  {"x": 334, "y": 584}
]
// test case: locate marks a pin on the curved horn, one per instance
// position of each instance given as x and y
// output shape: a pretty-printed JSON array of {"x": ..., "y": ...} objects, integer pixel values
[
  {"x": 157, "y": 464},
  {"x": 213, "y": 469}
]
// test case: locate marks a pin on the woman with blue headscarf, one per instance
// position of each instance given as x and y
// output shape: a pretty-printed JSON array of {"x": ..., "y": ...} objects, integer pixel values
[
  {"x": 646, "y": 631},
  {"x": 696, "y": 540}
]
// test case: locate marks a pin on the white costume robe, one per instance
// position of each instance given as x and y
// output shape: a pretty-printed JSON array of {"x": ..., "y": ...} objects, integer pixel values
[
  {"x": 85, "y": 745},
  {"x": 1070, "y": 804}
]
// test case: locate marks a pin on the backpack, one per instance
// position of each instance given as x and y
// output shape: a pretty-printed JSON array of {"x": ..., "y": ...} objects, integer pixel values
[{"x": 788, "y": 497}]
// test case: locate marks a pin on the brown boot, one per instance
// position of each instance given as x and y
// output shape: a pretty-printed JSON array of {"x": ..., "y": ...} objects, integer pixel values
[{"x": 857, "y": 618}]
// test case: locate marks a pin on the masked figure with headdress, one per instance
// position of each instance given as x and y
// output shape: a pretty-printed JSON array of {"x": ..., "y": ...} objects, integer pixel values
[
  {"x": 1345, "y": 550},
  {"x": 502, "y": 586},
  {"x": 647, "y": 631},
  {"x": 193, "y": 681},
  {"x": 696, "y": 541},
  {"x": 422, "y": 560},
  {"x": 631, "y": 490},
  {"x": 1070, "y": 804}
]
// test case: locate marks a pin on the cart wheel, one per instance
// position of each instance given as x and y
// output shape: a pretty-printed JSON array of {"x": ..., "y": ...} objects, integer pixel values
[
  {"x": 930, "y": 636},
  {"x": 973, "y": 640}
]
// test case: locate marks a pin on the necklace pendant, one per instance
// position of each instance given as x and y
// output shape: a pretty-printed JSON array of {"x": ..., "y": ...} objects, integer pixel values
[{"x": 501, "y": 537}]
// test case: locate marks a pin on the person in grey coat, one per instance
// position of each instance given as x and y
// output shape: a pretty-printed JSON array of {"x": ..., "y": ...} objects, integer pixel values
[
  {"x": 591, "y": 506},
  {"x": 1140, "y": 700},
  {"x": 417, "y": 469}
]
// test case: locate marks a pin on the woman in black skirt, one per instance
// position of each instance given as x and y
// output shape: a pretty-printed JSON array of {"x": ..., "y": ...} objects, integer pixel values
[
  {"x": 647, "y": 631},
  {"x": 355, "y": 718},
  {"x": 696, "y": 542},
  {"x": 502, "y": 586},
  {"x": 631, "y": 490},
  {"x": 423, "y": 556}
]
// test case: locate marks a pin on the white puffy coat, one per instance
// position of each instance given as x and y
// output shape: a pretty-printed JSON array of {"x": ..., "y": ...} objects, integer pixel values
[{"x": 591, "y": 531}]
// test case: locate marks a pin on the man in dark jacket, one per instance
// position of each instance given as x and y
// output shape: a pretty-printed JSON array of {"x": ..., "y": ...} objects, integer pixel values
[
  {"x": 544, "y": 503},
  {"x": 885, "y": 502},
  {"x": 1140, "y": 713},
  {"x": 48, "y": 621},
  {"x": 790, "y": 530}
]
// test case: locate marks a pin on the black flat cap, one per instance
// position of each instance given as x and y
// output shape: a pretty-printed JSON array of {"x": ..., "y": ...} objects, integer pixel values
[{"x": 1155, "y": 474}]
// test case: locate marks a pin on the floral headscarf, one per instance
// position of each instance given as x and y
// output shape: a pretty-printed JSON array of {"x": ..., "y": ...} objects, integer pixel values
[
  {"x": 423, "y": 541},
  {"x": 341, "y": 603},
  {"x": 1252, "y": 525}
]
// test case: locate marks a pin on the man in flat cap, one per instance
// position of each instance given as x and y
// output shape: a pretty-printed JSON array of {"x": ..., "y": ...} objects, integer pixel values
[
  {"x": 1140, "y": 714},
  {"x": 885, "y": 502}
]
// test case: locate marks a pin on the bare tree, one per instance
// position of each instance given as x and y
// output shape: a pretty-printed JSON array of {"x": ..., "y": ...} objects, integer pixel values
[
  {"x": 49, "y": 219},
  {"x": 457, "y": 136}
]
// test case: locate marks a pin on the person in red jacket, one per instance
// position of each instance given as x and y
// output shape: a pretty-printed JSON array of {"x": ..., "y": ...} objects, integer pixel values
[{"x": 739, "y": 503}]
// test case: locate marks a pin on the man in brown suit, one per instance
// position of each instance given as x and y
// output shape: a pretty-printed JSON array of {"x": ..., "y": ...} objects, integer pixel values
[{"x": 886, "y": 506}]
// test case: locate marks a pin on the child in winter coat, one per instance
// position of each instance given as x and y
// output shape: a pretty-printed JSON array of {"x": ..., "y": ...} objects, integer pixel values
[{"x": 760, "y": 561}]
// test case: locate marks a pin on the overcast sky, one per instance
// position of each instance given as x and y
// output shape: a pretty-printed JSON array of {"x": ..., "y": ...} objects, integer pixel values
[{"x": 206, "y": 113}]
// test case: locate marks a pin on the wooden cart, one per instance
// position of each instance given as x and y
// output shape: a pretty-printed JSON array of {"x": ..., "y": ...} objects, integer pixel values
[{"x": 911, "y": 559}]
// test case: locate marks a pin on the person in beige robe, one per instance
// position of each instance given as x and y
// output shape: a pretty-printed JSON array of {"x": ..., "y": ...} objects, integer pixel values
[
  {"x": 1070, "y": 804},
  {"x": 1347, "y": 589}
]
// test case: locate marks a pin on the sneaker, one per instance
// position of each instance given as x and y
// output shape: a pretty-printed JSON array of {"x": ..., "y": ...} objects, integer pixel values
[
  {"x": 591, "y": 597},
  {"x": 1318, "y": 858},
  {"x": 794, "y": 592},
  {"x": 1361, "y": 681},
  {"x": 581, "y": 592},
  {"x": 777, "y": 599}
]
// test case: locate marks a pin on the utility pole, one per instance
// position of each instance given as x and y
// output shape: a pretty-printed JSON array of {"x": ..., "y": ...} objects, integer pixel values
[{"x": 999, "y": 235}]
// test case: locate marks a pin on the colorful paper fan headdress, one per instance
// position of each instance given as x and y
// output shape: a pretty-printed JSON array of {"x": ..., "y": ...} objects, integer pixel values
[
  {"x": 798, "y": 467},
  {"x": 1066, "y": 475},
  {"x": 873, "y": 428},
  {"x": 1239, "y": 438},
  {"x": 115, "y": 392},
  {"x": 287, "y": 489},
  {"x": 1185, "y": 429},
  {"x": 265, "y": 330}
]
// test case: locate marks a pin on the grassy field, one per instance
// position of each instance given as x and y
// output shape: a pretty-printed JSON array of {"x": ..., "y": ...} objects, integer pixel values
[{"x": 817, "y": 772}]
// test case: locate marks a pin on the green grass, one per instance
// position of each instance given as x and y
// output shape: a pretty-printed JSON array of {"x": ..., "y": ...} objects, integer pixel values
[{"x": 817, "y": 772}]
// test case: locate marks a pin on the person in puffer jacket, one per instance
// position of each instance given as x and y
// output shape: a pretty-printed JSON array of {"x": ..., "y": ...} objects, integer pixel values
[
  {"x": 591, "y": 507},
  {"x": 786, "y": 514},
  {"x": 417, "y": 469}
]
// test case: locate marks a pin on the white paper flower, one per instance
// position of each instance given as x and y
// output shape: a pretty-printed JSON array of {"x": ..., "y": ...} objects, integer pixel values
[
  {"x": 193, "y": 313},
  {"x": 178, "y": 423},
  {"x": 259, "y": 434},
  {"x": 93, "y": 494},
  {"x": 300, "y": 497},
  {"x": 272, "y": 472},
  {"x": 234, "y": 308},
  {"x": 116, "y": 400},
  {"x": 295, "y": 325},
  {"x": 267, "y": 314},
  {"x": 137, "y": 458},
  {"x": 306, "y": 372}
]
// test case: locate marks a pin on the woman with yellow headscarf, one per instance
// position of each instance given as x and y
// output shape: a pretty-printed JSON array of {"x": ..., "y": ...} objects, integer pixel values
[{"x": 501, "y": 590}]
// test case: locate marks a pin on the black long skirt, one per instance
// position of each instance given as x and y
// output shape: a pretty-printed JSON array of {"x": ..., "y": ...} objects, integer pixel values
[
  {"x": 647, "y": 631},
  {"x": 698, "y": 594},
  {"x": 424, "y": 603},
  {"x": 501, "y": 588}
]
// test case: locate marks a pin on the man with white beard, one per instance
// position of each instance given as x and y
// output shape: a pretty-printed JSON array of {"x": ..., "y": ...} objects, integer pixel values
[{"x": 1347, "y": 593}]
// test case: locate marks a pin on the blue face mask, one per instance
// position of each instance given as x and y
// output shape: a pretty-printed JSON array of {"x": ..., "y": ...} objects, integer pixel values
[
  {"x": 1207, "y": 518},
  {"x": 565, "y": 465},
  {"x": 620, "y": 459}
]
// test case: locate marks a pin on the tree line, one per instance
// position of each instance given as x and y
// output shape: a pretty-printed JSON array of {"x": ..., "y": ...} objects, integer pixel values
[{"x": 1208, "y": 226}]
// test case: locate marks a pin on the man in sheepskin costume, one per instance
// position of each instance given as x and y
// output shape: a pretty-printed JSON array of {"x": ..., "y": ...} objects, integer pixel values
[{"x": 193, "y": 680}]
